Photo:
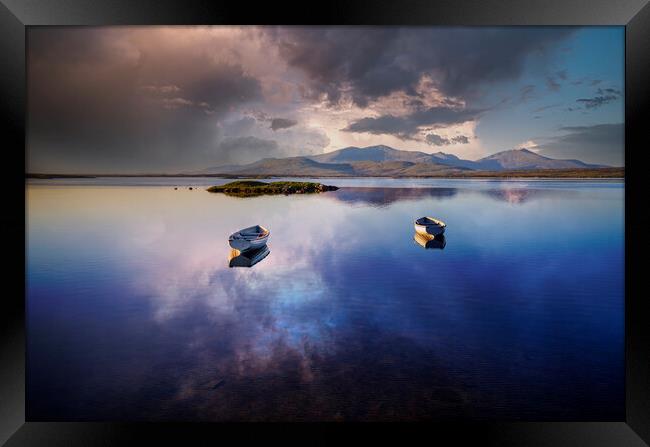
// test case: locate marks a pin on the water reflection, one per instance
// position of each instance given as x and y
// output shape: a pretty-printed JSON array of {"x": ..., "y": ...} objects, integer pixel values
[
  {"x": 520, "y": 195},
  {"x": 384, "y": 197},
  {"x": 437, "y": 242},
  {"x": 527, "y": 324},
  {"x": 247, "y": 258}
]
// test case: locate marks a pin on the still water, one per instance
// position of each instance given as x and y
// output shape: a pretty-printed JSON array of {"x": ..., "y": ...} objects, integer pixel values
[{"x": 134, "y": 313}]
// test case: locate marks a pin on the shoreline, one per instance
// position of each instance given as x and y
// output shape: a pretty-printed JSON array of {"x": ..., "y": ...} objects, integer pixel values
[
  {"x": 478, "y": 176},
  {"x": 502, "y": 179}
]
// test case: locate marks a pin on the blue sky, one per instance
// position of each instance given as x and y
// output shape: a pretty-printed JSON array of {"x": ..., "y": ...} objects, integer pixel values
[{"x": 591, "y": 59}]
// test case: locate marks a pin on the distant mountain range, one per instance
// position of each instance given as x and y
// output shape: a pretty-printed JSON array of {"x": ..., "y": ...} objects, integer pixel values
[{"x": 385, "y": 161}]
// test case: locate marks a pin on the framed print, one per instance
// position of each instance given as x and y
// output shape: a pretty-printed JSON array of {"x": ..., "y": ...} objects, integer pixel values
[{"x": 427, "y": 218}]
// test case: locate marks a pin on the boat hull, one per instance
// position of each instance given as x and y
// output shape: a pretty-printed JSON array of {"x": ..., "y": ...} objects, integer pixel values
[
  {"x": 245, "y": 245},
  {"x": 429, "y": 230}
]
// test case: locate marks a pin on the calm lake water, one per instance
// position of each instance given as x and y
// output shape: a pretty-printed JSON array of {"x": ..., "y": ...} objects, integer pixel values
[{"x": 134, "y": 313}]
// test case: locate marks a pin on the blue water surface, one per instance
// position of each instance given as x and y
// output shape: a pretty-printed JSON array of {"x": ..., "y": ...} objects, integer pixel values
[{"x": 134, "y": 313}]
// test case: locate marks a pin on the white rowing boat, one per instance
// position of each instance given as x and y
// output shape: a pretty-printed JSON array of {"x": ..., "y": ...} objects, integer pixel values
[
  {"x": 249, "y": 238},
  {"x": 428, "y": 226}
]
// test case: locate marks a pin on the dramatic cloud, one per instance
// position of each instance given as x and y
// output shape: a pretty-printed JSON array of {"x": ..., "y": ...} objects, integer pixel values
[
  {"x": 367, "y": 63},
  {"x": 610, "y": 91},
  {"x": 406, "y": 127},
  {"x": 180, "y": 99},
  {"x": 460, "y": 139},
  {"x": 604, "y": 96},
  {"x": 597, "y": 101},
  {"x": 247, "y": 149},
  {"x": 116, "y": 100},
  {"x": 437, "y": 140},
  {"x": 248, "y": 139},
  {"x": 600, "y": 144},
  {"x": 282, "y": 123}
]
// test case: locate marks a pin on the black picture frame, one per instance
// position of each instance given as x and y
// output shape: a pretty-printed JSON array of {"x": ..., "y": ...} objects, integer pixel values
[{"x": 17, "y": 15}]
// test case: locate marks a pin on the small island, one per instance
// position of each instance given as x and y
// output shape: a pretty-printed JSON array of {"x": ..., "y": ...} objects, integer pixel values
[{"x": 249, "y": 188}]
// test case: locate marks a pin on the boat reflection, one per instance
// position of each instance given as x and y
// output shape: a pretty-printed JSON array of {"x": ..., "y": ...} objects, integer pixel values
[
  {"x": 247, "y": 258},
  {"x": 437, "y": 242}
]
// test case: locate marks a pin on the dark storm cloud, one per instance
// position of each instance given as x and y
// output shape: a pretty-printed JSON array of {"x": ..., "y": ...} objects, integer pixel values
[
  {"x": 610, "y": 91},
  {"x": 401, "y": 127},
  {"x": 437, "y": 140},
  {"x": 460, "y": 139},
  {"x": 604, "y": 96},
  {"x": 249, "y": 149},
  {"x": 597, "y": 101},
  {"x": 406, "y": 127},
  {"x": 600, "y": 144},
  {"x": 223, "y": 86},
  {"x": 374, "y": 62},
  {"x": 240, "y": 150},
  {"x": 275, "y": 123},
  {"x": 97, "y": 98},
  {"x": 282, "y": 123}
]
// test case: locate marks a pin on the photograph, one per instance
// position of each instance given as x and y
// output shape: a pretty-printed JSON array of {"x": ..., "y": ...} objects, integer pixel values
[{"x": 325, "y": 223}]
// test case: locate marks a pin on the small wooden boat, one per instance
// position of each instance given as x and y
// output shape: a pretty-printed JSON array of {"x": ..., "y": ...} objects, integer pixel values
[
  {"x": 428, "y": 226},
  {"x": 248, "y": 258},
  {"x": 430, "y": 241},
  {"x": 249, "y": 238}
]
